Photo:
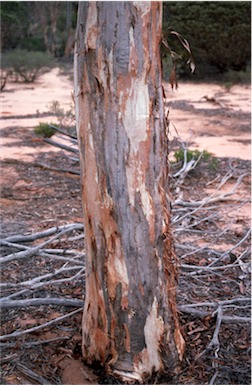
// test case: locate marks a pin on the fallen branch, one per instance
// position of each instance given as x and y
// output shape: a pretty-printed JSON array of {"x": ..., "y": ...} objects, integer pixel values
[
  {"x": 63, "y": 132},
  {"x": 7, "y": 304},
  {"x": 33, "y": 343},
  {"x": 61, "y": 145},
  {"x": 65, "y": 170},
  {"x": 214, "y": 343},
  {"x": 214, "y": 199},
  {"x": 36, "y": 328},
  {"x": 32, "y": 250},
  {"x": 44, "y": 254},
  {"x": 31, "y": 374},
  {"x": 203, "y": 314},
  {"x": 246, "y": 236},
  {"x": 36, "y": 282},
  {"x": 192, "y": 309},
  {"x": 43, "y": 234},
  {"x": 8, "y": 358}
]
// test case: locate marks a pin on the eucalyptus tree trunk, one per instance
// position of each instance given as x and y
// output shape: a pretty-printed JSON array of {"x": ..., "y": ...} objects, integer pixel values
[{"x": 130, "y": 322}]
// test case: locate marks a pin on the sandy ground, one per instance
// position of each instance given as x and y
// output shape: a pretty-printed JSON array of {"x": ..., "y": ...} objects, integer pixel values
[
  {"x": 206, "y": 115},
  {"x": 27, "y": 105},
  {"x": 213, "y": 118}
]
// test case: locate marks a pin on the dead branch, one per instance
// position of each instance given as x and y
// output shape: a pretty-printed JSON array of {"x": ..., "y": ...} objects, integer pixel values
[
  {"x": 42, "y": 165},
  {"x": 63, "y": 132},
  {"x": 187, "y": 166},
  {"x": 214, "y": 343},
  {"x": 246, "y": 236},
  {"x": 43, "y": 234},
  {"x": 214, "y": 101},
  {"x": 213, "y": 198},
  {"x": 203, "y": 314},
  {"x": 61, "y": 145},
  {"x": 220, "y": 256},
  {"x": 8, "y": 358},
  {"x": 36, "y": 282},
  {"x": 36, "y": 328},
  {"x": 33, "y": 343},
  {"x": 221, "y": 303},
  {"x": 45, "y": 254},
  {"x": 65, "y": 170},
  {"x": 7, "y": 304},
  {"x": 31, "y": 374},
  {"x": 32, "y": 250},
  {"x": 214, "y": 377},
  {"x": 192, "y": 309}
]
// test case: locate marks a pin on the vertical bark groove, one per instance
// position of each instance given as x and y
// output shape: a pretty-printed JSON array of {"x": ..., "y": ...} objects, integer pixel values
[{"x": 130, "y": 320}]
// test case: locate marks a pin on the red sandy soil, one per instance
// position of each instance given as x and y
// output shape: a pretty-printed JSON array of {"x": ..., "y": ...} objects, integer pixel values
[{"x": 206, "y": 116}]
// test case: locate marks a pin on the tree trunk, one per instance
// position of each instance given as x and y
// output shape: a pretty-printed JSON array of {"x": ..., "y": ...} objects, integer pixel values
[
  {"x": 130, "y": 321},
  {"x": 53, "y": 8},
  {"x": 41, "y": 9},
  {"x": 69, "y": 46}
]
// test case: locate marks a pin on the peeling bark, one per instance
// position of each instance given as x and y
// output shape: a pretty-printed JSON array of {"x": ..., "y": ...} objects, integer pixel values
[{"x": 130, "y": 321}]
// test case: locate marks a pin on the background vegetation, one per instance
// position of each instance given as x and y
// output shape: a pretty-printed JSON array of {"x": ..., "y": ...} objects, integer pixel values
[{"x": 219, "y": 34}]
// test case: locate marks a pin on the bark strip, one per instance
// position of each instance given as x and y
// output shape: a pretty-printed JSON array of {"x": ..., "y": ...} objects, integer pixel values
[{"x": 130, "y": 320}]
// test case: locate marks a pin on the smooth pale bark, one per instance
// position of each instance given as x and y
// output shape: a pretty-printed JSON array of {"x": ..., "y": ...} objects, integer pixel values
[{"x": 130, "y": 320}]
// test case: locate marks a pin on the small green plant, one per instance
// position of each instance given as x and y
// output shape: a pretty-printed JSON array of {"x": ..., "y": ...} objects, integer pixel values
[
  {"x": 25, "y": 65},
  {"x": 191, "y": 154},
  {"x": 201, "y": 157},
  {"x": 66, "y": 118},
  {"x": 45, "y": 130},
  {"x": 231, "y": 78}
]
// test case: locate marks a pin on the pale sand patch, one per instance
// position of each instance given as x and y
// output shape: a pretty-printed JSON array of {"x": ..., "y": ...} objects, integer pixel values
[{"x": 224, "y": 136}]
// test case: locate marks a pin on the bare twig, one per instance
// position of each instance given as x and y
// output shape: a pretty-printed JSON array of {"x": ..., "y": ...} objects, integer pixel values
[
  {"x": 31, "y": 374},
  {"x": 63, "y": 132},
  {"x": 36, "y": 282},
  {"x": 246, "y": 236},
  {"x": 211, "y": 382},
  {"x": 60, "y": 145},
  {"x": 43, "y": 234},
  {"x": 7, "y": 304},
  {"x": 76, "y": 257},
  {"x": 65, "y": 170},
  {"x": 33, "y": 343},
  {"x": 36, "y": 328},
  {"x": 192, "y": 309},
  {"x": 31, "y": 251},
  {"x": 8, "y": 358},
  {"x": 214, "y": 343},
  {"x": 209, "y": 200}
]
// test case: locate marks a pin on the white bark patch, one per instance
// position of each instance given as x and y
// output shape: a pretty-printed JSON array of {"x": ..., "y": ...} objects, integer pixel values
[
  {"x": 90, "y": 137},
  {"x": 142, "y": 6},
  {"x": 153, "y": 333},
  {"x": 136, "y": 115},
  {"x": 147, "y": 203},
  {"x": 117, "y": 271},
  {"x": 91, "y": 26}
]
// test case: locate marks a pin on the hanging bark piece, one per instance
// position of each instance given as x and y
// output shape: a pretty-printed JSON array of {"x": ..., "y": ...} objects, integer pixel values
[{"x": 130, "y": 320}]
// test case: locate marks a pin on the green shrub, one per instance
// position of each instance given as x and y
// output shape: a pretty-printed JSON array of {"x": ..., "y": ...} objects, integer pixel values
[
  {"x": 45, "y": 130},
  {"x": 26, "y": 65},
  {"x": 219, "y": 34},
  {"x": 3, "y": 78},
  {"x": 204, "y": 157},
  {"x": 66, "y": 118},
  {"x": 33, "y": 43}
]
